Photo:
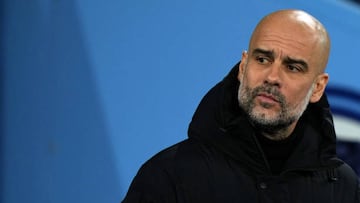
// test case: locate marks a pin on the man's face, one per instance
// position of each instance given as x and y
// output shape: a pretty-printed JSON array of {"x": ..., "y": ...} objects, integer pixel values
[
  {"x": 279, "y": 76},
  {"x": 268, "y": 108}
]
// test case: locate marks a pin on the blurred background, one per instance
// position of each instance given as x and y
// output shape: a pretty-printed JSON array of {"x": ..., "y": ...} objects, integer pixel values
[{"x": 92, "y": 89}]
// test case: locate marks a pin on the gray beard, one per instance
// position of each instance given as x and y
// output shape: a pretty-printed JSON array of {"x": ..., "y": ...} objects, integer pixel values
[{"x": 273, "y": 126}]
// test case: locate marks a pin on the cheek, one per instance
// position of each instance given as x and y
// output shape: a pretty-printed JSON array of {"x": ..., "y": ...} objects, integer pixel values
[
  {"x": 296, "y": 96},
  {"x": 251, "y": 79}
]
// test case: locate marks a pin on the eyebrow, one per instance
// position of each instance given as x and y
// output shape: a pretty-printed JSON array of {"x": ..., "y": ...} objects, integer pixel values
[
  {"x": 264, "y": 52},
  {"x": 288, "y": 60}
]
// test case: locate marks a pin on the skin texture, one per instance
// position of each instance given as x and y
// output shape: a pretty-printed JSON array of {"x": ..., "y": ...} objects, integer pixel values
[{"x": 283, "y": 70}]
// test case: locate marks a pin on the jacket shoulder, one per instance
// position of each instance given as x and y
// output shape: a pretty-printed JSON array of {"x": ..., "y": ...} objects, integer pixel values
[
  {"x": 156, "y": 179},
  {"x": 347, "y": 174},
  {"x": 350, "y": 182}
]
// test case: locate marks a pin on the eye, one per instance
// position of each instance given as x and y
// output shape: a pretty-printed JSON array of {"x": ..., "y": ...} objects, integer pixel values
[
  {"x": 262, "y": 60},
  {"x": 294, "y": 68}
]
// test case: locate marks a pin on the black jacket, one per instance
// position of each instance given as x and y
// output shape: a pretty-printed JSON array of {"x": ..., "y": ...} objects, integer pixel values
[{"x": 222, "y": 160}]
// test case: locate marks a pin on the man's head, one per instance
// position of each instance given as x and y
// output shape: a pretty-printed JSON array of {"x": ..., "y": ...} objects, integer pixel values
[{"x": 283, "y": 70}]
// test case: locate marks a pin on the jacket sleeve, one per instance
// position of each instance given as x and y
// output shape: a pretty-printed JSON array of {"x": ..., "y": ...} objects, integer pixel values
[{"x": 151, "y": 184}]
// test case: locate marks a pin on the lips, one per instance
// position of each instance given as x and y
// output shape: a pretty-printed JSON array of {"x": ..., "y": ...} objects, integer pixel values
[{"x": 267, "y": 97}]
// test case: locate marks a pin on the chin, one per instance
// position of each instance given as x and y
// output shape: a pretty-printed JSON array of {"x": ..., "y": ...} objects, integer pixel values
[
  {"x": 264, "y": 114},
  {"x": 263, "y": 118}
]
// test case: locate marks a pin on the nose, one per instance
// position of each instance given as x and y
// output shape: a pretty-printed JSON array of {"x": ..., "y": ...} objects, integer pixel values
[{"x": 273, "y": 75}]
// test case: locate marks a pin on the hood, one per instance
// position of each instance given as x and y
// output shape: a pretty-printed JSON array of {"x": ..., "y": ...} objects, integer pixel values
[{"x": 220, "y": 122}]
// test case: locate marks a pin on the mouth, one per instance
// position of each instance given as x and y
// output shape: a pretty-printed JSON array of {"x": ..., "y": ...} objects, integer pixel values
[{"x": 267, "y": 98}]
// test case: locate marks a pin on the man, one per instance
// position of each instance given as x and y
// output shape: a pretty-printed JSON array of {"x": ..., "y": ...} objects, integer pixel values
[{"x": 264, "y": 133}]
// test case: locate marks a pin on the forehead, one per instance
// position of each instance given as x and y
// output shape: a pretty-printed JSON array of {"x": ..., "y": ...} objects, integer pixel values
[{"x": 286, "y": 40}]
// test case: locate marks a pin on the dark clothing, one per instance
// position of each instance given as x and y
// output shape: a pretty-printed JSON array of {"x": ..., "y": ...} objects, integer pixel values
[
  {"x": 277, "y": 152},
  {"x": 223, "y": 159}
]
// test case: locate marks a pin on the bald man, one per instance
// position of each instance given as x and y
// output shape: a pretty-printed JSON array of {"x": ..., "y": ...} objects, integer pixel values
[{"x": 262, "y": 134}]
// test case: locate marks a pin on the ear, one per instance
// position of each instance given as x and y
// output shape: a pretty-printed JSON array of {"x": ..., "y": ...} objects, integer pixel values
[
  {"x": 319, "y": 88},
  {"x": 242, "y": 65}
]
